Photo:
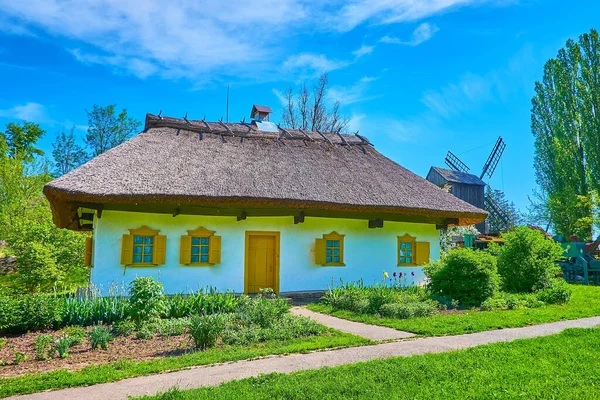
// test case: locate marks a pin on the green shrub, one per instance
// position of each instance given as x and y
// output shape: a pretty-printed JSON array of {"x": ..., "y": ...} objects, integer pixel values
[
  {"x": 124, "y": 328},
  {"x": 146, "y": 299},
  {"x": 19, "y": 357},
  {"x": 93, "y": 308},
  {"x": 205, "y": 330},
  {"x": 62, "y": 345},
  {"x": 100, "y": 336},
  {"x": 173, "y": 326},
  {"x": 203, "y": 302},
  {"x": 557, "y": 293},
  {"x": 526, "y": 262},
  {"x": 403, "y": 310},
  {"x": 10, "y": 313},
  {"x": 511, "y": 301},
  {"x": 42, "y": 346},
  {"x": 350, "y": 296},
  {"x": 146, "y": 331},
  {"x": 260, "y": 310},
  {"x": 76, "y": 333},
  {"x": 3, "y": 343},
  {"x": 469, "y": 276}
]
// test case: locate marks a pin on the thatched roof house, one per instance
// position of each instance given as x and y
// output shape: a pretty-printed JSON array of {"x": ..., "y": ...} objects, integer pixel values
[
  {"x": 191, "y": 167},
  {"x": 258, "y": 204}
]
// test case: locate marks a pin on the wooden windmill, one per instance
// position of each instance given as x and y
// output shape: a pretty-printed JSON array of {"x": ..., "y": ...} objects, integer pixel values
[{"x": 497, "y": 216}]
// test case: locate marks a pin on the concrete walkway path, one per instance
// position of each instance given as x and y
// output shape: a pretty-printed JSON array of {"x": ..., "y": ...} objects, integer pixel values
[
  {"x": 214, "y": 375},
  {"x": 373, "y": 332}
]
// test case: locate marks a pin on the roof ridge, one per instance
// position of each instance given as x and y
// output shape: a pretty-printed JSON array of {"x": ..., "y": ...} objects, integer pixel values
[{"x": 247, "y": 130}]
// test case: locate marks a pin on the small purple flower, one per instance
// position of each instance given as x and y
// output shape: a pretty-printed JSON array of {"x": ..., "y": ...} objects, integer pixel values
[
  {"x": 413, "y": 273},
  {"x": 394, "y": 274},
  {"x": 400, "y": 275}
]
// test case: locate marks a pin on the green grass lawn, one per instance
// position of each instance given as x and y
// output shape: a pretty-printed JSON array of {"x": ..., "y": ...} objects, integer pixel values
[
  {"x": 563, "y": 366},
  {"x": 126, "y": 369},
  {"x": 584, "y": 303}
]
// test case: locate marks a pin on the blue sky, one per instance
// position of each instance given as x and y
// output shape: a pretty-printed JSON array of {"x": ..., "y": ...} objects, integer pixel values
[{"x": 417, "y": 77}]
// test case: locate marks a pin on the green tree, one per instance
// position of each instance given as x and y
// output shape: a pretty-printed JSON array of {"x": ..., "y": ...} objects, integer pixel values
[
  {"x": 67, "y": 154},
  {"x": 566, "y": 128},
  {"x": 18, "y": 141},
  {"x": 107, "y": 129}
]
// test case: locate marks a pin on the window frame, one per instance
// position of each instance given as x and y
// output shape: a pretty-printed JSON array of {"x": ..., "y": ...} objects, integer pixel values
[
  {"x": 406, "y": 238},
  {"x": 200, "y": 233},
  {"x": 144, "y": 231},
  {"x": 334, "y": 236}
]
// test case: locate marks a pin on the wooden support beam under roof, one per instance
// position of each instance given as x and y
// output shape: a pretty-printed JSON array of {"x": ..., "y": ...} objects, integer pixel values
[
  {"x": 242, "y": 216},
  {"x": 375, "y": 223},
  {"x": 447, "y": 222},
  {"x": 298, "y": 219}
]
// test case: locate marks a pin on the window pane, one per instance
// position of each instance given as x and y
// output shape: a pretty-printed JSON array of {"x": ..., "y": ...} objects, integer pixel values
[
  {"x": 147, "y": 259},
  {"x": 328, "y": 252},
  {"x": 330, "y": 243},
  {"x": 138, "y": 240},
  {"x": 402, "y": 260},
  {"x": 137, "y": 259},
  {"x": 196, "y": 240},
  {"x": 195, "y": 250},
  {"x": 408, "y": 245},
  {"x": 204, "y": 258},
  {"x": 328, "y": 259},
  {"x": 336, "y": 252},
  {"x": 409, "y": 253},
  {"x": 336, "y": 243},
  {"x": 195, "y": 259},
  {"x": 137, "y": 249},
  {"x": 148, "y": 239},
  {"x": 336, "y": 259},
  {"x": 204, "y": 240},
  {"x": 204, "y": 250},
  {"x": 402, "y": 253},
  {"x": 409, "y": 260},
  {"x": 147, "y": 249}
]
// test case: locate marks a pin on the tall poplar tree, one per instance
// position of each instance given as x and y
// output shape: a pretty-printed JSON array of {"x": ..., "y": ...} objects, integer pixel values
[{"x": 566, "y": 127}]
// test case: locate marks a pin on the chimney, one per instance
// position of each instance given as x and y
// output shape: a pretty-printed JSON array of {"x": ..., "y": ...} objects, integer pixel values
[{"x": 260, "y": 113}]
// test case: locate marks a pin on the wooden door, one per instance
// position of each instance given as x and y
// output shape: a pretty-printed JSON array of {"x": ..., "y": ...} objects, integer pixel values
[{"x": 261, "y": 259}]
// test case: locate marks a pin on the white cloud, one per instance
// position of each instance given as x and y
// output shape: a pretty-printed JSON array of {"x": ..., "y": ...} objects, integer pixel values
[
  {"x": 352, "y": 94},
  {"x": 311, "y": 65},
  {"x": 357, "y": 12},
  {"x": 31, "y": 111},
  {"x": 281, "y": 97},
  {"x": 205, "y": 40},
  {"x": 363, "y": 51},
  {"x": 421, "y": 34}
]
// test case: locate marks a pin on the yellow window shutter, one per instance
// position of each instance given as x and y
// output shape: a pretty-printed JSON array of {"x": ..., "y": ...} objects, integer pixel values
[
  {"x": 88, "y": 251},
  {"x": 185, "y": 250},
  {"x": 127, "y": 250},
  {"x": 160, "y": 249},
  {"x": 423, "y": 253},
  {"x": 214, "y": 254},
  {"x": 320, "y": 251}
]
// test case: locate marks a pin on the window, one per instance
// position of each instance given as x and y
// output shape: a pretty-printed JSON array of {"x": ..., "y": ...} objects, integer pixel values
[
  {"x": 411, "y": 252},
  {"x": 329, "y": 251},
  {"x": 143, "y": 247},
  {"x": 406, "y": 250},
  {"x": 200, "y": 247}
]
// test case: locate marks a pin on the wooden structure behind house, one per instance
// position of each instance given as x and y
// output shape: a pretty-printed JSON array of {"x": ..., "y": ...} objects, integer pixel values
[{"x": 465, "y": 186}]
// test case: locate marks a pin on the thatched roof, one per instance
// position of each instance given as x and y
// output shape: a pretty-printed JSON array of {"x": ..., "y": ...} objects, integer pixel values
[
  {"x": 196, "y": 167},
  {"x": 454, "y": 176}
]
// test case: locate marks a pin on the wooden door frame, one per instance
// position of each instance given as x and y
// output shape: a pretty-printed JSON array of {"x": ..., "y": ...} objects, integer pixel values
[{"x": 274, "y": 234}]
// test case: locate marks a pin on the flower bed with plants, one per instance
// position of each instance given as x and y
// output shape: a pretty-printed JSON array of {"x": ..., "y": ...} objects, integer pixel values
[
  {"x": 66, "y": 332},
  {"x": 520, "y": 275}
]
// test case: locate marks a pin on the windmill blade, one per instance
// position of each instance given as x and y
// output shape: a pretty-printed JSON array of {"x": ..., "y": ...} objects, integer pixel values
[
  {"x": 454, "y": 163},
  {"x": 497, "y": 217},
  {"x": 492, "y": 162}
]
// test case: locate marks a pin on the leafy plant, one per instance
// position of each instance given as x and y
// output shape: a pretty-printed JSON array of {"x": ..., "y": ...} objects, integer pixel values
[
  {"x": 42, "y": 346},
  {"x": 76, "y": 333},
  {"x": 146, "y": 299},
  {"x": 100, "y": 336},
  {"x": 260, "y": 310},
  {"x": 173, "y": 326},
  {"x": 557, "y": 293},
  {"x": 124, "y": 328},
  {"x": 3, "y": 343},
  {"x": 469, "y": 276},
  {"x": 145, "y": 332},
  {"x": 62, "y": 345},
  {"x": 19, "y": 357},
  {"x": 526, "y": 262},
  {"x": 206, "y": 329}
]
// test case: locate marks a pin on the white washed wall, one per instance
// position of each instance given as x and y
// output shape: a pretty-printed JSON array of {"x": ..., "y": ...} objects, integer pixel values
[{"x": 367, "y": 252}]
